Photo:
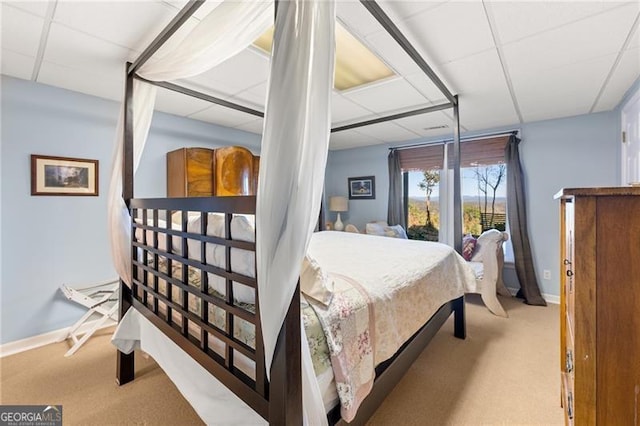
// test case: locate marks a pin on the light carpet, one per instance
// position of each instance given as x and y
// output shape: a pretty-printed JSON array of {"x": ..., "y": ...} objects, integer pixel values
[{"x": 505, "y": 372}]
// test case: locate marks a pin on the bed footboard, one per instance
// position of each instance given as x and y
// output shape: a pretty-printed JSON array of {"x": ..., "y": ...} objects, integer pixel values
[{"x": 182, "y": 287}]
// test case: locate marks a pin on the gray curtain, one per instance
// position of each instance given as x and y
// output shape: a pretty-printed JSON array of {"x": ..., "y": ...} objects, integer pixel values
[
  {"x": 517, "y": 214},
  {"x": 395, "y": 212}
]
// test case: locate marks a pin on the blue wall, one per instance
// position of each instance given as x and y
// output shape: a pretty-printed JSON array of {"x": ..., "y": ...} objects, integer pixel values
[
  {"x": 47, "y": 241},
  {"x": 569, "y": 152}
]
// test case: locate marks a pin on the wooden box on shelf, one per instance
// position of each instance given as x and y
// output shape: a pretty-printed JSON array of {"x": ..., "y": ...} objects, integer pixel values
[
  {"x": 600, "y": 305},
  {"x": 204, "y": 172}
]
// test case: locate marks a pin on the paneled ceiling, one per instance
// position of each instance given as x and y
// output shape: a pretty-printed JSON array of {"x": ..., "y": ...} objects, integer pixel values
[{"x": 509, "y": 61}]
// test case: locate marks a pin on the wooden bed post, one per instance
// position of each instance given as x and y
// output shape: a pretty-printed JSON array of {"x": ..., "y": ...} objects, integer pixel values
[
  {"x": 459, "y": 319},
  {"x": 125, "y": 364},
  {"x": 285, "y": 388}
]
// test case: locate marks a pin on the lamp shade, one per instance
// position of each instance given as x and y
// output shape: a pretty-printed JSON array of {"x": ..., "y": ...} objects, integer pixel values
[{"x": 338, "y": 204}]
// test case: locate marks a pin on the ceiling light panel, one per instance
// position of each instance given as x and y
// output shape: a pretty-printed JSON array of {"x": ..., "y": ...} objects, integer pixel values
[
  {"x": 20, "y": 31},
  {"x": 356, "y": 65}
]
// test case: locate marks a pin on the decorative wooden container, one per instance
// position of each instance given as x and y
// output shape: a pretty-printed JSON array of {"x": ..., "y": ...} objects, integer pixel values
[{"x": 203, "y": 172}]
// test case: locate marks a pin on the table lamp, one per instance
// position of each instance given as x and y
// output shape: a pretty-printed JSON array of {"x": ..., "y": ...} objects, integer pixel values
[{"x": 338, "y": 204}]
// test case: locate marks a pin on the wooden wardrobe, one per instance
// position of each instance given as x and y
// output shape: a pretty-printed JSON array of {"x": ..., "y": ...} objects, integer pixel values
[
  {"x": 204, "y": 172},
  {"x": 600, "y": 305}
]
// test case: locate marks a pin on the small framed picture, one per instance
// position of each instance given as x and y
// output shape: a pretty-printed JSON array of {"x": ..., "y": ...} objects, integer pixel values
[
  {"x": 63, "y": 176},
  {"x": 362, "y": 188}
]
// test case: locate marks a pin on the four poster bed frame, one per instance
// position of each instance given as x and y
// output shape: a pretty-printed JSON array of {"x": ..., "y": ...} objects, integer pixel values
[{"x": 279, "y": 400}]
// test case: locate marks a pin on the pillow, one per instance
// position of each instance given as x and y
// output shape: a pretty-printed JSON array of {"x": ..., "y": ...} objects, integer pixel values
[
  {"x": 243, "y": 228},
  {"x": 396, "y": 231},
  {"x": 162, "y": 237},
  {"x": 314, "y": 282},
  {"x": 375, "y": 229},
  {"x": 468, "y": 246}
]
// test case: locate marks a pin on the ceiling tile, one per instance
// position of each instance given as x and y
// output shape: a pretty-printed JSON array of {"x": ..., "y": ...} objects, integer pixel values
[
  {"x": 427, "y": 88},
  {"x": 38, "y": 8},
  {"x": 20, "y": 31},
  {"x": 351, "y": 139},
  {"x": 75, "y": 49},
  {"x": 586, "y": 39},
  {"x": 137, "y": 22},
  {"x": 388, "y": 132},
  {"x": 626, "y": 73},
  {"x": 17, "y": 65},
  {"x": 223, "y": 116},
  {"x": 555, "y": 93},
  {"x": 635, "y": 38},
  {"x": 477, "y": 74},
  {"x": 398, "y": 10},
  {"x": 92, "y": 83},
  {"x": 389, "y": 95},
  {"x": 516, "y": 20},
  {"x": 486, "y": 110},
  {"x": 342, "y": 109},
  {"x": 451, "y": 31},
  {"x": 254, "y": 126},
  {"x": 237, "y": 74},
  {"x": 356, "y": 18},
  {"x": 256, "y": 95},
  {"x": 387, "y": 49},
  {"x": 419, "y": 124},
  {"x": 178, "y": 104}
]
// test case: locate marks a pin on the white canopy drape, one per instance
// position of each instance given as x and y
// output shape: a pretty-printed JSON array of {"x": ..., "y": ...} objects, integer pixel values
[{"x": 294, "y": 148}]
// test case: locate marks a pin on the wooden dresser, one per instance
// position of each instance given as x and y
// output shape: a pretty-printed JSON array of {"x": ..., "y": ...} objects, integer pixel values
[
  {"x": 600, "y": 305},
  {"x": 203, "y": 172}
]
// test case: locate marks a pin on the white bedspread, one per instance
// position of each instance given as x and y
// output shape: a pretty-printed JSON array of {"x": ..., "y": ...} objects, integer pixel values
[{"x": 406, "y": 280}]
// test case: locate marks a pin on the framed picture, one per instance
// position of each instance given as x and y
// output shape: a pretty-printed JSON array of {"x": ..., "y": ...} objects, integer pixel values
[
  {"x": 362, "y": 188},
  {"x": 63, "y": 176}
]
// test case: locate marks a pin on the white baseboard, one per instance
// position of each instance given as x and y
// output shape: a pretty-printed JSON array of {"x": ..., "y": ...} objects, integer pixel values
[
  {"x": 18, "y": 346},
  {"x": 549, "y": 298}
]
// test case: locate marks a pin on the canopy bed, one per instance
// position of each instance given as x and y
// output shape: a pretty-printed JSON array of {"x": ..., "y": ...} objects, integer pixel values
[{"x": 174, "y": 285}]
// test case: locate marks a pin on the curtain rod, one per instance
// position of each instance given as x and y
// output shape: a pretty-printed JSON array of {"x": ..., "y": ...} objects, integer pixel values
[{"x": 466, "y": 138}]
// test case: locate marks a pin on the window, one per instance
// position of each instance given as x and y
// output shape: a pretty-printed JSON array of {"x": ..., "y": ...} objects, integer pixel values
[{"x": 483, "y": 184}]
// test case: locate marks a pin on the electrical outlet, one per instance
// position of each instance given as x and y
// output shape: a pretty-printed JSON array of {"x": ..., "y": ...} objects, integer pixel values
[{"x": 547, "y": 274}]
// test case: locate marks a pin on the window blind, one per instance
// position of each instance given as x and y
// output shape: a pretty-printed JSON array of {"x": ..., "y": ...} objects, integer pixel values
[{"x": 473, "y": 152}]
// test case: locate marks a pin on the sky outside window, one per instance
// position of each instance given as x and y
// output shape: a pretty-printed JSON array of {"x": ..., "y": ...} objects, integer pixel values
[{"x": 469, "y": 185}]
